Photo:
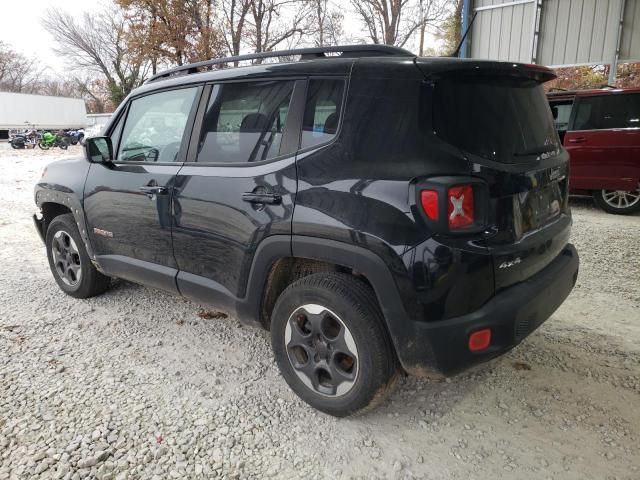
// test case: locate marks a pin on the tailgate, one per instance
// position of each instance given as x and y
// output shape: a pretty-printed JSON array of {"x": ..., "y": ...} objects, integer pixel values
[{"x": 497, "y": 116}]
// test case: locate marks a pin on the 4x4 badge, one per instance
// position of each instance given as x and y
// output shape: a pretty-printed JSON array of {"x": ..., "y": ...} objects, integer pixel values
[
  {"x": 516, "y": 261},
  {"x": 104, "y": 233}
]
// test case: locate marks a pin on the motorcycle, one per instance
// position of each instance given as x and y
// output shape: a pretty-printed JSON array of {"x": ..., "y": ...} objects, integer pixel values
[
  {"x": 23, "y": 140},
  {"x": 49, "y": 140},
  {"x": 75, "y": 136}
]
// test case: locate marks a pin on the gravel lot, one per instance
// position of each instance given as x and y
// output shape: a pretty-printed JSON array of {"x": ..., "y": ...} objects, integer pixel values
[{"x": 135, "y": 384}]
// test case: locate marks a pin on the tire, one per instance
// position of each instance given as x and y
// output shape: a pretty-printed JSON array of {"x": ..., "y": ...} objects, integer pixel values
[
  {"x": 73, "y": 141},
  {"x": 618, "y": 202},
  {"x": 66, "y": 253},
  {"x": 43, "y": 145},
  {"x": 329, "y": 325},
  {"x": 17, "y": 146},
  {"x": 63, "y": 144}
]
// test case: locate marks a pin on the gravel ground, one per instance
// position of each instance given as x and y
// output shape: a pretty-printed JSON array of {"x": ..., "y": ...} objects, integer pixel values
[{"x": 137, "y": 384}]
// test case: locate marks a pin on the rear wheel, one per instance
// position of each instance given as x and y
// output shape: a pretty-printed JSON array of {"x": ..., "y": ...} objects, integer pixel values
[
  {"x": 69, "y": 262},
  {"x": 43, "y": 145},
  {"x": 330, "y": 343},
  {"x": 618, "y": 201}
]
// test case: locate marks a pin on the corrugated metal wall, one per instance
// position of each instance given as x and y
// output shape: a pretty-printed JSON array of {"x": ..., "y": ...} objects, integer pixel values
[
  {"x": 578, "y": 31},
  {"x": 503, "y": 33},
  {"x": 571, "y": 32}
]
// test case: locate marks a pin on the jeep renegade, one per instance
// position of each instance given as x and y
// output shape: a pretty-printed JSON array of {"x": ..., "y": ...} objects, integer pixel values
[{"x": 376, "y": 211}]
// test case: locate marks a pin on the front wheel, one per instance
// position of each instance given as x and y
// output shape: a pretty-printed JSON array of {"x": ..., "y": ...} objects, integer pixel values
[
  {"x": 618, "y": 201},
  {"x": 43, "y": 145},
  {"x": 69, "y": 261},
  {"x": 330, "y": 343}
]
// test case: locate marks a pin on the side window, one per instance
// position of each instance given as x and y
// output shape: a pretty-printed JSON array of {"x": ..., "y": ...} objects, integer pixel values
[
  {"x": 244, "y": 122},
  {"x": 608, "y": 111},
  {"x": 155, "y": 126},
  {"x": 322, "y": 111},
  {"x": 561, "y": 113}
]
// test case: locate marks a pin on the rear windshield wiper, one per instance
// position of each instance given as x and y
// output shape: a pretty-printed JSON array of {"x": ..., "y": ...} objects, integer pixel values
[{"x": 536, "y": 151}]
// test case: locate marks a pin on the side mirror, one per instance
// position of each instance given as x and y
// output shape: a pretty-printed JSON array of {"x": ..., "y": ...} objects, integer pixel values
[{"x": 99, "y": 150}]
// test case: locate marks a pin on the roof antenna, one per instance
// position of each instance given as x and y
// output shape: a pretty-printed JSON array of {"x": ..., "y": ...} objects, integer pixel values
[{"x": 466, "y": 32}]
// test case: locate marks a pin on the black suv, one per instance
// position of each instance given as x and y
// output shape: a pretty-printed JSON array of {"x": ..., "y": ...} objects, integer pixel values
[{"x": 378, "y": 212}]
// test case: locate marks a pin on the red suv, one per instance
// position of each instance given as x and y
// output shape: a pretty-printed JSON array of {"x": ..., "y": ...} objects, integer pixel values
[{"x": 601, "y": 131}]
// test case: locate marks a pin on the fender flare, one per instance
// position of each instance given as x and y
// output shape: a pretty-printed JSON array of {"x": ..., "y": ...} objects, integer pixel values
[
  {"x": 48, "y": 193},
  {"x": 356, "y": 257}
]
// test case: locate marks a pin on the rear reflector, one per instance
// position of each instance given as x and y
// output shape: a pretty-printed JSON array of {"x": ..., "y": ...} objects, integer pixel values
[
  {"x": 480, "y": 340},
  {"x": 429, "y": 200},
  {"x": 460, "y": 206}
]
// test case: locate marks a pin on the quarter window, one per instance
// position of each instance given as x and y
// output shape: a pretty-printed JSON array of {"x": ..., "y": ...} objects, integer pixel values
[
  {"x": 322, "y": 111},
  {"x": 608, "y": 111},
  {"x": 155, "y": 126},
  {"x": 244, "y": 122}
]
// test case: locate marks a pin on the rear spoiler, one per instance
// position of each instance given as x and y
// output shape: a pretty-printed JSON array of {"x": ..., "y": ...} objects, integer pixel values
[{"x": 436, "y": 67}]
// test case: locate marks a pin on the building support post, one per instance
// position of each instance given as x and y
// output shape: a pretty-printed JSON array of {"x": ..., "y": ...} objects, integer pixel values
[
  {"x": 466, "y": 18},
  {"x": 535, "y": 36},
  {"x": 613, "y": 70}
]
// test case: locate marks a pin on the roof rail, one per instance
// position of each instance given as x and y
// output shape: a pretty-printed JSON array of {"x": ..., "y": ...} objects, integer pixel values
[{"x": 346, "y": 51}]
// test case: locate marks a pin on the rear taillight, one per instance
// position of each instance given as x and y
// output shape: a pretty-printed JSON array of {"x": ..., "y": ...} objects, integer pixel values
[
  {"x": 460, "y": 206},
  {"x": 453, "y": 205},
  {"x": 429, "y": 201}
]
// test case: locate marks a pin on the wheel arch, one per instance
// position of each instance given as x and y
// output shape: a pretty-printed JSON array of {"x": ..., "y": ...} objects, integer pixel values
[{"x": 279, "y": 261}]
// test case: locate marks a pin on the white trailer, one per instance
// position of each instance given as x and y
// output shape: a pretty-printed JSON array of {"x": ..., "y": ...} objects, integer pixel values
[{"x": 19, "y": 110}]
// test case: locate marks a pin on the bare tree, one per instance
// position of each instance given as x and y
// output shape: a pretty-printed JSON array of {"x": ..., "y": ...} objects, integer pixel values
[
  {"x": 326, "y": 23},
  {"x": 274, "y": 22},
  {"x": 99, "y": 46},
  {"x": 18, "y": 73},
  {"x": 234, "y": 22},
  {"x": 394, "y": 22}
]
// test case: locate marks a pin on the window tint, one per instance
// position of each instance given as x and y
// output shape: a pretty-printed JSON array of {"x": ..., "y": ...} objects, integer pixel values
[
  {"x": 497, "y": 118},
  {"x": 608, "y": 111},
  {"x": 561, "y": 112},
  {"x": 322, "y": 111},
  {"x": 244, "y": 122},
  {"x": 155, "y": 125}
]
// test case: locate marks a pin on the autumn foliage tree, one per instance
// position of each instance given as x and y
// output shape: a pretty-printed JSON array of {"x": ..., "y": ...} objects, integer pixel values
[
  {"x": 173, "y": 32},
  {"x": 595, "y": 76}
]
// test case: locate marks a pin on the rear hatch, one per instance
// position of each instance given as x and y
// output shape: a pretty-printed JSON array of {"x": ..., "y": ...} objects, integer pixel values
[{"x": 497, "y": 116}]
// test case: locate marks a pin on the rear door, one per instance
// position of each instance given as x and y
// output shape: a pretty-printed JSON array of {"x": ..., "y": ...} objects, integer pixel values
[
  {"x": 604, "y": 142},
  {"x": 502, "y": 124},
  {"x": 239, "y": 188},
  {"x": 128, "y": 204}
]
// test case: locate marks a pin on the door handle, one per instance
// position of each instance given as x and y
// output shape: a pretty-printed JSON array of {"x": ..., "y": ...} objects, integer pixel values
[
  {"x": 577, "y": 140},
  {"x": 154, "y": 190},
  {"x": 271, "y": 198}
]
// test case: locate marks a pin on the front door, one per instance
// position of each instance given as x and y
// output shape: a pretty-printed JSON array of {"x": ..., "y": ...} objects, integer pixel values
[
  {"x": 239, "y": 190},
  {"x": 128, "y": 204}
]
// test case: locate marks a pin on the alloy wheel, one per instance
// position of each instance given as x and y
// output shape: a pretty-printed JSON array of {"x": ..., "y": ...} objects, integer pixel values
[
  {"x": 66, "y": 258},
  {"x": 621, "y": 198},
  {"x": 321, "y": 350}
]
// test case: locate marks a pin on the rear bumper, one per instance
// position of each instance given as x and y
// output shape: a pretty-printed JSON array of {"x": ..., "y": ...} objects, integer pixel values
[{"x": 511, "y": 315}]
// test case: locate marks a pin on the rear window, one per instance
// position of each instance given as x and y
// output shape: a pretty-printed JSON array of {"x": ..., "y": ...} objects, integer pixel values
[
  {"x": 500, "y": 119},
  {"x": 608, "y": 111}
]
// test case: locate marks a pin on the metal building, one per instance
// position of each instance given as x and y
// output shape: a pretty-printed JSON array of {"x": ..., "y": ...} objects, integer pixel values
[{"x": 557, "y": 33}]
